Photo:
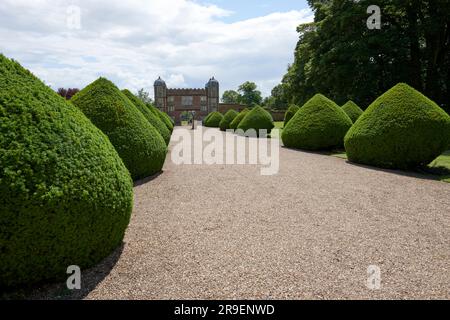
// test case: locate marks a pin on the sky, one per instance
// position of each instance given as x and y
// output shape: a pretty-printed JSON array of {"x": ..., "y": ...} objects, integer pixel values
[{"x": 70, "y": 43}]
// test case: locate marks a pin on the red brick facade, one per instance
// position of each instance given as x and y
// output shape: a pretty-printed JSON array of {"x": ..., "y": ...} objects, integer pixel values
[{"x": 175, "y": 101}]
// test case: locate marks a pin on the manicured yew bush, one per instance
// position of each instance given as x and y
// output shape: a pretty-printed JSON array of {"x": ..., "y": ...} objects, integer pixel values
[
  {"x": 164, "y": 117},
  {"x": 290, "y": 113},
  {"x": 234, "y": 124},
  {"x": 227, "y": 119},
  {"x": 319, "y": 125},
  {"x": 257, "y": 119},
  {"x": 66, "y": 196},
  {"x": 352, "y": 110},
  {"x": 153, "y": 119},
  {"x": 138, "y": 143},
  {"x": 213, "y": 120},
  {"x": 402, "y": 129}
]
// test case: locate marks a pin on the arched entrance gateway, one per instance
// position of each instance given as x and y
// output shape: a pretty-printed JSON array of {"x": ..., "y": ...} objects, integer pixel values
[{"x": 203, "y": 101}]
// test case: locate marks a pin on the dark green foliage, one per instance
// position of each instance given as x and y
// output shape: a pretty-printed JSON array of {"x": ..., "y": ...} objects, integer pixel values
[
  {"x": 150, "y": 116},
  {"x": 163, "y": 116},
  {"x": 341, "y": 57},
  {"x": 352, "y": 110},
  {"x": 206, "y": 118},
  {"x": 235, "y": 123},
  {"x": 213, "y": 120},
  {"x": 257, "y": 119},
  {"x": 138, "y": 143},
  {"x": 227, "y": 119},
  {"x": 319, "y": 125},
  {"x": 401, "y": 129},
  {"x": 290, "y": 113},
  {"x": 66, "y": 196}
]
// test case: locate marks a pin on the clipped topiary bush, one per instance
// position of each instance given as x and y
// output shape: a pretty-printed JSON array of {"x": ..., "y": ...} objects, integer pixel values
[
  {"x": 402, "y": 129},
  {"x": 168, "y": 122},
  {"x": 352, "y": 110},
  {"x": 138, "y": 143},
  {"x": 213, "y": 120},
  {"x": 319, "y": 125},
  {"x": 206, "y": 118},
  {"x": 227, "y": 119},
  {"x": 290, "y": 113},
  {"x": 66, "y": 196},
  {"x": 257, "y": 119},
  {"x": 235, "y": 123},
  {"x": 153, "y": 119}
]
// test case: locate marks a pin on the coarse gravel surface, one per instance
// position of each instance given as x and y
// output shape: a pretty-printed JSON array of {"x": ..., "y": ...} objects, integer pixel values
[{"x": 309, "y": 232}]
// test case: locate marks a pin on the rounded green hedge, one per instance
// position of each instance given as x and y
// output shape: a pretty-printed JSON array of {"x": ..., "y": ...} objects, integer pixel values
[
  {"x": 138, "y": 143},
  {"x": 164, "y": 117},
  {"x": 66, "y": 196},
  {"x": 258, "y": 119},
  {"x": 235, "y": 123},
  {"x": 319, "y": 125},
  {"x": 227, "y": 119},
  {"x": 402, "y": 129},
  {"x": 213, "y": 120},
  {"x": 150, "y": 116},
  {"x": 206, "y": 118},
  {"x": 290, "y": 113},
  {"x": 352, "y": 110}
]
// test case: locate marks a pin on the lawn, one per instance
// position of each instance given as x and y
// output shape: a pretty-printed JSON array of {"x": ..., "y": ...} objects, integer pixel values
[{"x": 439, "y": 167}]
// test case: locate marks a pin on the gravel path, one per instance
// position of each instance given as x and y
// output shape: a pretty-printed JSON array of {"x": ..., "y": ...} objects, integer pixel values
[{"x": 310, "y": 232}]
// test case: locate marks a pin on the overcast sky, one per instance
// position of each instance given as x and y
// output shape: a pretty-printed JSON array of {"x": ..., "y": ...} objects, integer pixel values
[{"x": 133, "y": 42}]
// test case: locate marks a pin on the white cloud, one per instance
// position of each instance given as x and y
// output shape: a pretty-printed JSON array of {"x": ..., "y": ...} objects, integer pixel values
[{"x": 133, "y": 42}]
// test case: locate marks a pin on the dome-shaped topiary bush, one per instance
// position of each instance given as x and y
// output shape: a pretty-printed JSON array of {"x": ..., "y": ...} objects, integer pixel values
[
  {"x": 227, "y": 119},
  {"x": 402, "y": 129},
  {"x": 150, "y": 116},
  {"x": 206, "y": 118},
  {"x": 290, "y": 113},
  {"x": 257, "y": 119},
  {"x": 352, "y": 110},
  {"x": 164, "y": 117},
  {"x": 319, "y": 125},
  {"x": 138, "y": 143},
  {"x": 235, "y": 123},
  {"x": 66, "y": 196},
  {"x": 213, "y": 120}
]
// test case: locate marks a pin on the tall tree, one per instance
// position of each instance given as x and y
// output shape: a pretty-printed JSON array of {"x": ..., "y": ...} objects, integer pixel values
[
  {"x": 67, "y": 93},
  {"x": 144, "y": 96},
  {"x": 340, "y": 57},
  {"x": 250, "y": 96},
  {"x": 231, "y": 97}
]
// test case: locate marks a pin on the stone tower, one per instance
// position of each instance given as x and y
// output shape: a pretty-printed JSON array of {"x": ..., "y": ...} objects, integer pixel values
[
  {"x": 160, "y": 94},
  {"x": 212, "y": 91}
]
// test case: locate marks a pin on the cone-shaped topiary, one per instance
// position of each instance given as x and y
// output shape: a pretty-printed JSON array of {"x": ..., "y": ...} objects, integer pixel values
[
  {"x": 235, "y": 123},
  {"x": 402, "y": 129},
  {"x": 214, "y": 120},
  {"x": 206, "y": 118},
  {"x": 257, "y": 119},
  {"x": 319, "y": 125},
  {"x": 138, "y": 143},
  {"x": 352, "y": 110},
  {"x": 150, "y": 116},
  {"x": 290, "y": 113},
  {"x": 168, "y": 122},
  {"x": 66, "y": 196},
  {"x": 227, "y": 119}
]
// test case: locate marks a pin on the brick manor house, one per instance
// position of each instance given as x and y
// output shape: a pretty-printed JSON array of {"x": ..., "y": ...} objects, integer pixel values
[{"x": 203, "y": 101}]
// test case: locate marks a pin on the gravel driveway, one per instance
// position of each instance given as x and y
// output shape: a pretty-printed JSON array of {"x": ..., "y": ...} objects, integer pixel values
[{"x": 310, "y": 232}]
